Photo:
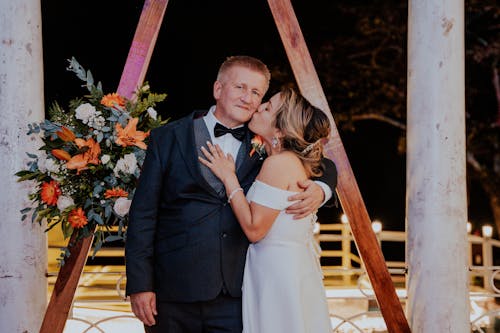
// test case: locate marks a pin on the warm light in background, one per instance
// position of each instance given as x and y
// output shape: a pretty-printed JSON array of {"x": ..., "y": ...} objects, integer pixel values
[
  {"x": 377, "y": 226},
  {"x": 469, "y": 227},
  {"x": 487, "y": 231}
]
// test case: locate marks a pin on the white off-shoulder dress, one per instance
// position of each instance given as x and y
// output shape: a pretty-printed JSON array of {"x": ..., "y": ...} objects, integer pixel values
[{"x": 282, "y": 285}]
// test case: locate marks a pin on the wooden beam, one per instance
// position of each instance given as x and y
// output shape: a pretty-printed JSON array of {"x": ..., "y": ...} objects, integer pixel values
[
  {"x": 347, "y": 189},
  {"x": 64, "y": 289},
  {"x": 142, "y": 47},
  {"x": 132, "y": 77}
]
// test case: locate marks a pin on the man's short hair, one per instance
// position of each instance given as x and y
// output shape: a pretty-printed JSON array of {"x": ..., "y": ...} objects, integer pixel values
[{"x": 251, "y": 63}]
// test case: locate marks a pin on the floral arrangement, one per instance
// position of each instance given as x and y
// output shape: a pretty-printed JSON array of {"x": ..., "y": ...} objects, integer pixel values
[
  {"x": 258, "y": 147},
  {"x": 87, "y": 168}
]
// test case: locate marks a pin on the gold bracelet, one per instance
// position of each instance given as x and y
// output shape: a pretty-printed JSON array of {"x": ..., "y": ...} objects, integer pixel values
[{"x": 233, "y": 192}]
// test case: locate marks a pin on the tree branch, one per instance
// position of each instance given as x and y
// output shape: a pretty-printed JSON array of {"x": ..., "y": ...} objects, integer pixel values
[
  {"x": 379, "y": 117},
  {"x": 496, "y": 85},
  {"x": 473, "y": 162}
]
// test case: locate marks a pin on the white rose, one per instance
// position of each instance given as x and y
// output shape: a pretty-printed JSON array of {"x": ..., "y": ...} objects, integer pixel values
[
  {"x": 127, "y": 164},
  {"x": 85, "y": 112},
  {"x": 64, "y": 202},
  {"x": 122, "y": 206},
  {"x": 152, "y": 113},
  {"x": 52, "y": 165},
  {"x": 105, "y": 158},
  {"x": 130, "y": 159},
  {"x": 97, "y": 122}
]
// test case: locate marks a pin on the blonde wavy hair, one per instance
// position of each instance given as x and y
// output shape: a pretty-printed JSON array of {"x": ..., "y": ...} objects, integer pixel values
[{"x": 303, "y": 127}]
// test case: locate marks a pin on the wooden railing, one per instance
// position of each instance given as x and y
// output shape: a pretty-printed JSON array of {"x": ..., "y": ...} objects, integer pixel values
[{"x": 346, "y": 282}]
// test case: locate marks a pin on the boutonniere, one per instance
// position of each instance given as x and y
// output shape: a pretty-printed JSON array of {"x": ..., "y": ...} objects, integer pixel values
[{"x": 258, "y": 147}]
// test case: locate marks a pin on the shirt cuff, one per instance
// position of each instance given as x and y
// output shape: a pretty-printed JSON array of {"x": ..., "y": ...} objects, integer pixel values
[{"x": 326, "y": 190}]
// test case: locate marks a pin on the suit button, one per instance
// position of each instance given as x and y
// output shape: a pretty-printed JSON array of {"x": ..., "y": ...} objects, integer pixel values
[{"x": 224, "y": 235}]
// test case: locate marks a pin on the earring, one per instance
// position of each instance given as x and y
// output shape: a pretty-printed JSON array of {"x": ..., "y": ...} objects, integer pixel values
[{"x": 274, "y": 142}]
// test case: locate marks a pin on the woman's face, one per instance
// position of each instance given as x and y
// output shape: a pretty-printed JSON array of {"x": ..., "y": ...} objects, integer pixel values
[{"x": 262, "y": 122}]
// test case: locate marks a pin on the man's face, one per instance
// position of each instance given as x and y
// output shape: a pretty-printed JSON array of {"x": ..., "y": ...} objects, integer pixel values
[{"x": 238, "y": 94}]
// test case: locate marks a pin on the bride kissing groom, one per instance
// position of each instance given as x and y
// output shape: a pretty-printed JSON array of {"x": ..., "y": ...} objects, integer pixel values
[{"x": 186, "y": 248}]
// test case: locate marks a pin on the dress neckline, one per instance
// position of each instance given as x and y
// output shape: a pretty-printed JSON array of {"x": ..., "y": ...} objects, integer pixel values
[{"x": 274, "y": 187}]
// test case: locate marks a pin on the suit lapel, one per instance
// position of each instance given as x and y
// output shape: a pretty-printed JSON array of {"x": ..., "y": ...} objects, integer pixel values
[
  {"x": 243, "y": 151},
  {"x": 201, "y": 136},
  {"x": 187, "y": 146},
  {"x": 185, "y": 134}
]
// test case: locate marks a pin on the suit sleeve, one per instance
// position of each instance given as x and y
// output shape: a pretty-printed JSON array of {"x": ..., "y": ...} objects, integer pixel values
[
  {"x": 139, "y": 246},
  {"x": 329, "y": 177}
]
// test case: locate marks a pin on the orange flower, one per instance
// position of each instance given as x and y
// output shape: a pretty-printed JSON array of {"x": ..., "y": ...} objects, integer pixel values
[
  {"x": 130, "y": 136},
  {"x": 61, "y": 154},
  {"x": 50, "y": 192},
  {"x": 89, "y": 156},
  {"x": 257, "y": 145},
  {"x": 112, "y": 99},
  {"x": 77, "y": 218},
  {"x": 115, "y": 192},
  {"x": 66, "y": 134}
]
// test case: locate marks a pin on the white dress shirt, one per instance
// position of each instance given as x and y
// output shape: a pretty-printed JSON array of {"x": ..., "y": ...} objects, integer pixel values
[{"x": 227, "y": 142}]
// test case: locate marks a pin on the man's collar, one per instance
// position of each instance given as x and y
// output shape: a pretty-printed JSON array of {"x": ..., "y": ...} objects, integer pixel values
[{"x": 212, "y": 119}]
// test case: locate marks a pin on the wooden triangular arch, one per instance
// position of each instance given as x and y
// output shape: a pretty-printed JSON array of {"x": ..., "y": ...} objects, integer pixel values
[{"x": 347, "y": 189}]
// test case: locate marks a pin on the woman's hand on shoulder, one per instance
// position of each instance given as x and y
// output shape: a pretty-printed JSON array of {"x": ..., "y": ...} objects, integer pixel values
[{"x": 308, "y": 201}]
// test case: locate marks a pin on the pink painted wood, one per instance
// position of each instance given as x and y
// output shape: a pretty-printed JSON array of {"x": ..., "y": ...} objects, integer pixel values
[{"x": 142, "y": 47}]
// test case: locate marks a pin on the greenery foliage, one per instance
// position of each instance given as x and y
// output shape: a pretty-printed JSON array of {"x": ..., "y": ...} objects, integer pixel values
[{"x": 86, "y": 170}]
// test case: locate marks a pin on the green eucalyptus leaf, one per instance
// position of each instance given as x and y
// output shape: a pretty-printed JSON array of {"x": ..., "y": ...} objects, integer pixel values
[{"x": 113, "y": 238}]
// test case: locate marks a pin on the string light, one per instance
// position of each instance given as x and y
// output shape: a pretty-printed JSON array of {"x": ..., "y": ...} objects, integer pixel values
[
  {"x": 487, "y": 231},
  {"x": 377, "y": 226}
]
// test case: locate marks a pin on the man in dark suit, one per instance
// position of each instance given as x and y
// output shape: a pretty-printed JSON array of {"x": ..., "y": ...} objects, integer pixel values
[{"x": 185, "y": 251}]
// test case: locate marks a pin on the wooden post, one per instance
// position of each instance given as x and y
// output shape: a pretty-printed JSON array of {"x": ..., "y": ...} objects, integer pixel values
[
  {"x": 142, "y": 47},
  {"x": 133, "y": 76},
  {"x": 348, "y": 191},
  {"x": 65, "y": 286},
  {"x": 346, "y": 251}
]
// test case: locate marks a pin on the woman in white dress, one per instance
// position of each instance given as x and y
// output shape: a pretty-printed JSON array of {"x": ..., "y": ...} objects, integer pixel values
[{"x": 282, "y": 285}]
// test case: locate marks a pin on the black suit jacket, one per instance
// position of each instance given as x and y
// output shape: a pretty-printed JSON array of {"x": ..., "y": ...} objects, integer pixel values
[{"x": 183, "y": 240}]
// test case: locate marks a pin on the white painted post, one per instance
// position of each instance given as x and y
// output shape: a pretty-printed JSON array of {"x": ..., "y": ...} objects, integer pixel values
[
  {"x": 23, "y": 246},
  {"x": 436, "y": 184}
]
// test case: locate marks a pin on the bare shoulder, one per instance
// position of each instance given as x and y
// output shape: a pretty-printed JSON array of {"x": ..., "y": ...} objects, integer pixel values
[
  {"x": 285, "y": 158},
  {"x": 282, "y": 170}
]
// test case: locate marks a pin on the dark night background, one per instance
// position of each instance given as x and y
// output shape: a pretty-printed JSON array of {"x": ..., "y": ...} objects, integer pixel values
[{"x": 196, "y": 36}]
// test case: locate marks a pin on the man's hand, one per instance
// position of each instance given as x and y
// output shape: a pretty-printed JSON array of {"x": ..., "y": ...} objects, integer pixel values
[
  {"x": 311, "y": 200},
  {"x": 144, "y": 306}
]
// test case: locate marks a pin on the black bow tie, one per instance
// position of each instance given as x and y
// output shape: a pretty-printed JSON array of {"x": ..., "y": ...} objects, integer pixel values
[{"x": 238, "y": 133}]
